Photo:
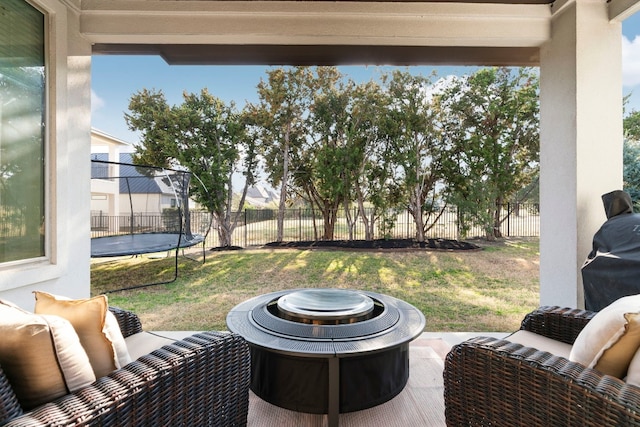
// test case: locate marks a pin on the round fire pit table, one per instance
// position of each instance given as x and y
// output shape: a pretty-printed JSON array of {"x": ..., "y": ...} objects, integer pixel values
[{"x": 327, "y": 351}]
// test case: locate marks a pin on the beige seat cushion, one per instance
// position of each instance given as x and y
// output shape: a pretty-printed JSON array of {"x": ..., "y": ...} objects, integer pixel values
[
  {"x": 145, "y": 342},
  {"x": 530, "y": 339},
  {"x": 95, "y": 325},
  {"x": 41, "y": 356},
  {"x": 610, "y": 340}
]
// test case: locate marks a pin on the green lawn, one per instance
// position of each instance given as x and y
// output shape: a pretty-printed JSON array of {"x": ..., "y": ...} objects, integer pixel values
[{"x": 487, "y": 290}]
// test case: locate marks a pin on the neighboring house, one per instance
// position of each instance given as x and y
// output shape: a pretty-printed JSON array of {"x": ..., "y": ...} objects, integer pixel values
[
  {"x": 135, "y": 192},
  {"x": 120, "y": 193},
  {"x": 46, "y": 49},
  {"x": 259, "y": 196},
  {"x": 105, "y": 193}
]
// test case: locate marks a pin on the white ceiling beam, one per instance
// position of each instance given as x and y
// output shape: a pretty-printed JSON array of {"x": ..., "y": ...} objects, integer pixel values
[
  {"x": 315, "y": 23},
  {"x": 622, "y": 9}
]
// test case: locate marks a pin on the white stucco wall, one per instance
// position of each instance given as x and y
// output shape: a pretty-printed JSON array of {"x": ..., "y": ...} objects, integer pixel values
[{"x": 581, "y": 142}]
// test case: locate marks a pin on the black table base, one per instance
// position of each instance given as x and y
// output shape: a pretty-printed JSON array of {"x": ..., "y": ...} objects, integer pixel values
[{"x": 327, "y": 368}]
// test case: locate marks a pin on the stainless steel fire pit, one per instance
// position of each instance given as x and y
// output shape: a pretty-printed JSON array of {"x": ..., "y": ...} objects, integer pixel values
[
  {"x": 325, "y": 306},
  {"x": 327, "y": 350}
]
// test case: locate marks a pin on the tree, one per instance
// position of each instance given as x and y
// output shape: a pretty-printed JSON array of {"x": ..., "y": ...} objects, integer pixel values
[
  {"x": 280, "y": 115},
  {"x": 631, "y": 155},
  {"x": 209, "y": 138},
  {"x": 320, "y": 167},
  {"x": 417, "y": 146},
  {"x": 491, "y": 125},
  {"x": 631, "y": 169},
  {"x": 372, "y": 173},
  {"x": 631, "y": 126}
]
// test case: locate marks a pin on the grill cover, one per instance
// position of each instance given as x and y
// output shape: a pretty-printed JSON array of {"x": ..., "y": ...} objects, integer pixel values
[{"x": 612, "y": 269}]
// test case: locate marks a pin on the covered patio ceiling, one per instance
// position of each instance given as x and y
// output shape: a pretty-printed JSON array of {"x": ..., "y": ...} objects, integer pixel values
[
  {"x": 404, "y": 33},
  {"x": 413, "y": 32}
]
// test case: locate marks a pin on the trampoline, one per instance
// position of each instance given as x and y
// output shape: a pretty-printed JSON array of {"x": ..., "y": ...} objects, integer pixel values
[
  {"x": 147, "y": 211},
  {"x": 143, "y": 243}
]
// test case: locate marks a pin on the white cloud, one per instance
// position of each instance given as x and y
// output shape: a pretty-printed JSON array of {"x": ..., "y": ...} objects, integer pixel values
[
  {"x": 437, "y": 87},
  {"x": 630, "y": 61},
  {"x": 96, "y": 102}
]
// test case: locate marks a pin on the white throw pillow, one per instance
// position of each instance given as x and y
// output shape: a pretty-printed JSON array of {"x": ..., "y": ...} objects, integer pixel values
[{"x": 611, "y": 338}]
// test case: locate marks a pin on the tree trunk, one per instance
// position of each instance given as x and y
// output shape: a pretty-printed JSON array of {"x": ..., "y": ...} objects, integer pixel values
[
  {"x": 283, "y": 187},
  {"x": 416, "y": 212},
  {"x": 184, "y": 194},
  {"x": 329, "y": 215},
  {"x": 328, "y": 231},
  {"x": 224, "y": 233},
  {"x": 368, "y": 225},
  {"x": 351, "y": 220},
  {"x": 368, "y": 222},
  {"x": 497, "y": 232},
  {"x": 415, "y": 207}
]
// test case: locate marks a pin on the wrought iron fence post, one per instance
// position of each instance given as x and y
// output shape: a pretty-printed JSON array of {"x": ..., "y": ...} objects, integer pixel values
[{"x": 458, "y": 225}]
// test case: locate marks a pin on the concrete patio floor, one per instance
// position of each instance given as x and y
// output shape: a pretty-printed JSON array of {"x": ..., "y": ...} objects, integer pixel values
[{"x": 421, "y": 403}]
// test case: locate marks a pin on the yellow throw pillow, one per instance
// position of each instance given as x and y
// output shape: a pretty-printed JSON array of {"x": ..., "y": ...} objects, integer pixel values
[
  {"x": 95, "y": 325},
  {"x": 41, "y": 356},
  {"x": 611, "y": 338}
]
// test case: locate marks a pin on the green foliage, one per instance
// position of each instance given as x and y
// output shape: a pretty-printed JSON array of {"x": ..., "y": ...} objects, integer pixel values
[
  {"x": 417, "y": 146},
  {"x": 209, "y": 138},
  {"x": 631, "y": 170},
  {"x": 323, "y": 168},
  {"x": 491, "y": 125},
  {"x": 404, "y": 142},
  {"x": 631, "y": 157},
  {"x": 280, "y": 119},
  {"x": 631, "y": 126}
]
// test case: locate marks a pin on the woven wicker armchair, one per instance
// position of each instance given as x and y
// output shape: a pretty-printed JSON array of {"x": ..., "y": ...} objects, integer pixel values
[
  {"x": 202, "y": 380},
  {"x": 495, "y": 382}
]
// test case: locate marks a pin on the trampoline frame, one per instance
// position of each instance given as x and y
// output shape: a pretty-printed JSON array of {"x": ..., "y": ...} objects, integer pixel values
[{"x": 185, "y": 238}]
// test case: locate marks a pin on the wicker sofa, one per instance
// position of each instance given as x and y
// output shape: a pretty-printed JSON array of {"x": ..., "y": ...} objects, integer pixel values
[
  {"x": 202, "y": 380},
  {"x": 496, "y": 382}
]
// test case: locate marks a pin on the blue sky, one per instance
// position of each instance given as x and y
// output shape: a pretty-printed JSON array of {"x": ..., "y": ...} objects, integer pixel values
[{"x": 116, "y": 78}]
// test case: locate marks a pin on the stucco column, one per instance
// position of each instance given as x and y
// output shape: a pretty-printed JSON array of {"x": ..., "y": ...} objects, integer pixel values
[
  {"x": 76, "y": 165},
  {"x": 581, "y": 141}
]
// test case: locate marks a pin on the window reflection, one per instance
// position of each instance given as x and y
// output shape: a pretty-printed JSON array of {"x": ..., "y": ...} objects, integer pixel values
[{"x": 22, "y": 125}]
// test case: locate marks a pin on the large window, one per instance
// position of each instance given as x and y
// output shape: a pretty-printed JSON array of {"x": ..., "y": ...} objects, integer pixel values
[{"x": 22, "y": 131}]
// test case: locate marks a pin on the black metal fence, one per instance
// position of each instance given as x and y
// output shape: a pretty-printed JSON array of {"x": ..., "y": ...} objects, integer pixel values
[
  {"x": 256, "y": 227},
  {"x": 105, "y": 225}
]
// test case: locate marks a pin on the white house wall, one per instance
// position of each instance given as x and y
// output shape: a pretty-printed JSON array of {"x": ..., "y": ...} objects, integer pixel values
[
  {"x": 149, "y": 204},
  {"x": 581, "y": 142}
]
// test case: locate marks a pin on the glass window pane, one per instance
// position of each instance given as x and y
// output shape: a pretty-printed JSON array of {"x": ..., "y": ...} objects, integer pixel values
[{"x": 22, "y": 126}]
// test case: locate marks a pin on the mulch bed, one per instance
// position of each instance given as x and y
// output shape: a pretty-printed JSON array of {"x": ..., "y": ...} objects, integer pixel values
[
  {"x": 225, "y": 248},
  {"x": 379, "y": 244}
]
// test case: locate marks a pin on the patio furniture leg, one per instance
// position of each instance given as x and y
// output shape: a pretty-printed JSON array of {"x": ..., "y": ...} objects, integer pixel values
[{"x": 334, "y": 392}]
